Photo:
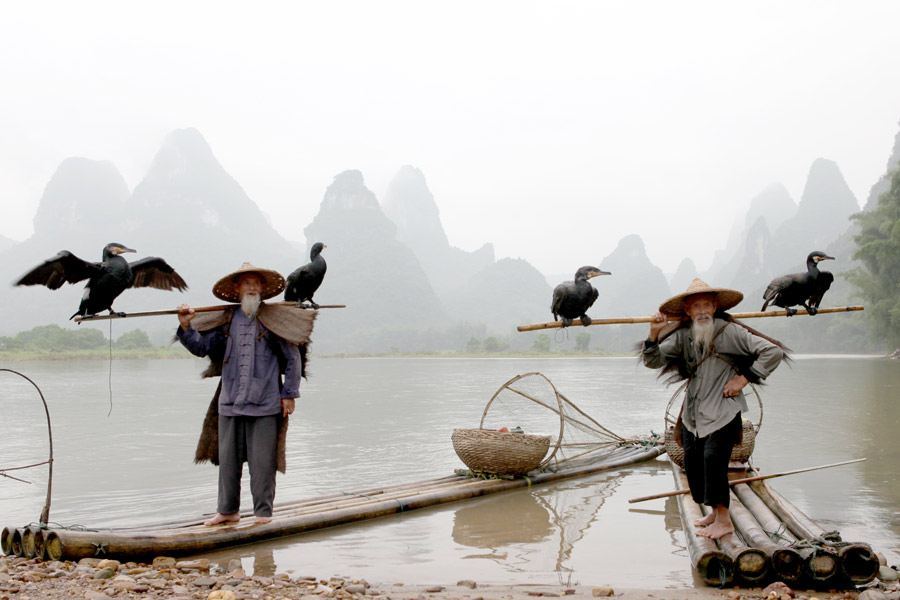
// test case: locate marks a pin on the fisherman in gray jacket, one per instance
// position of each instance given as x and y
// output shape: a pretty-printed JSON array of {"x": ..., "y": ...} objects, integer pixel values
[{"x": 719, "y": 356}]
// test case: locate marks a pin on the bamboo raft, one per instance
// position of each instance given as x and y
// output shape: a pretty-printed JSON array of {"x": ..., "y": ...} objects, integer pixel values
[
  {"x": 773, "y": 541},
  {"x": 310, "y": 514}
]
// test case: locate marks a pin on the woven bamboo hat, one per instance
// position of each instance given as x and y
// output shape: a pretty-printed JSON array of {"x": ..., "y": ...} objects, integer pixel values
[
  {"x": 272, "y": 283},
  {"x": 725, "y": 298}
]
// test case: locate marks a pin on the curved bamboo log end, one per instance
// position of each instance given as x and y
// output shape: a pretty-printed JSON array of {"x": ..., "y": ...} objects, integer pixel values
[
  {"x": 823, "y": 566},
  {"x": 6, "y": 541},
  {"x": 52, "y": 546},
  {"x": 28, "y": 542},
  {"x": 715, "y": 568},
  {"x": 788, "y": 565},
  {"x": 753, "y": 566},
  {"x": 16, "y": 544},
  {"x": 858, "y": 563},
  {"x": 40, "y": 549}
]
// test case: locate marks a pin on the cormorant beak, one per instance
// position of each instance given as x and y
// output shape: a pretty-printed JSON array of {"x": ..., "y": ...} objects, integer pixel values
[
  {"x": 123, "y": 250},
  {"x": 821, "y": 258},
  {"x": 597, "y": 273}
]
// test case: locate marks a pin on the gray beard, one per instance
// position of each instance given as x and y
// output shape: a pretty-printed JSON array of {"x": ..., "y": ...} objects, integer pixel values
[
  {"x": 250, "y": 305},
  {"x": 703, "y": 335}
]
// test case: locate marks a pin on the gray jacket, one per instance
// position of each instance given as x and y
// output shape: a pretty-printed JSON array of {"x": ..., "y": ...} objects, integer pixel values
[{"x": 706, "y": 408}]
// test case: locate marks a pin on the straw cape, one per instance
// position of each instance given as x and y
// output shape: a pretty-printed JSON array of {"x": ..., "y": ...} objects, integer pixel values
[
  {"x": 273, "y": 283},
  {"x": 290, "y": 323},
  {"x": 725, "y": 298}
]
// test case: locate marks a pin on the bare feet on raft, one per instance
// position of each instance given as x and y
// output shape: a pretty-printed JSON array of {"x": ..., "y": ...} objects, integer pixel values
[
  {"x": 263, "y": 520},
  {"x": 705, "y": 521},
  {"x": 221, "y": 519}
]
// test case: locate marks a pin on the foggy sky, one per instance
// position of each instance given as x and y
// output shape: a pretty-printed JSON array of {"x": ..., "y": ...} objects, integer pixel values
[{"x": 552, "y": 129}]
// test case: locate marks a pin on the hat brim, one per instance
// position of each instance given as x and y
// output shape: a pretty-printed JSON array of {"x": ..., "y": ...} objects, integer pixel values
[
  {"x": 725, "y": 299},
  {"x": 272, "y": 282}
]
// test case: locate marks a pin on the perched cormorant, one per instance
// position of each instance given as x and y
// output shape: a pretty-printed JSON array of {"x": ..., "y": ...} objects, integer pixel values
[
  {"x": 106, "y": 280},
  {"x": 805, "y": 289},
  {"x": 303, "y": 283},
  {"x": 572, "y": 299}
]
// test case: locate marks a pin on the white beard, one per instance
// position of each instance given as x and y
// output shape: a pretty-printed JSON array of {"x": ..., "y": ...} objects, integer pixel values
[
  {"x": 703, "y": 330},
  {"x": 250, "y": 304}
]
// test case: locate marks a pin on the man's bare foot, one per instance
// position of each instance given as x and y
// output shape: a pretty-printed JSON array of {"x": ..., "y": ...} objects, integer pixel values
[
  {"x": 707, "y": 520},
  {"x": 716, "y": 530},
  {"x": 221, "y": 519},
  {"x": 263, "y": 520}
]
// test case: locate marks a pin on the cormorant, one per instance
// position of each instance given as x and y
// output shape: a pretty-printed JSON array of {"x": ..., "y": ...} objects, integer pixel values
[
  {"x": 805, "y": 289},
  {"x": 572, "y": 299},
  {"x": 106, "y": 280},
  {"x": 303, "y": 283}
]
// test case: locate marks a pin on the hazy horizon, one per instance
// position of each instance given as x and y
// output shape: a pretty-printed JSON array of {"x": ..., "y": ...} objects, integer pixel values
[{"x": 551, "y": 130}]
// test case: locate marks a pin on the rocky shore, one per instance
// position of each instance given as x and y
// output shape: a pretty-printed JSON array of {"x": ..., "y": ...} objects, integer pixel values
[{"x": 166, "y": 578}]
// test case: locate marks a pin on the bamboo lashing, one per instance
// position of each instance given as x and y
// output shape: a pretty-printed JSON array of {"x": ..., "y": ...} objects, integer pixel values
[
  {"x": 749, "y": 479},
  {"x": 177, "y": 311},
  {"x": 628, "y": 320}
]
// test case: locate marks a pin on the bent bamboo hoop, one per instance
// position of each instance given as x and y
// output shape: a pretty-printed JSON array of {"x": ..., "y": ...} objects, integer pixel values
[
  {"x": 627, "y": 320},
  {"x": 197, "y": 309}
]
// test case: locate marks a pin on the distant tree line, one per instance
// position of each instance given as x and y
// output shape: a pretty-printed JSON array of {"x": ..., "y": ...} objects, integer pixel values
[
  {"x": 878, "y": 280},
  {"x": 53, "y": 338}
]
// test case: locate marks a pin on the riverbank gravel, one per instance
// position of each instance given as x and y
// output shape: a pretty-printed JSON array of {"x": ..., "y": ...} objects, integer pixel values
[{"x": 169, "y": 579}]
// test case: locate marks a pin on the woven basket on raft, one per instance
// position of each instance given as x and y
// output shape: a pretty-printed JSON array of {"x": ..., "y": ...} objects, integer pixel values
[
  {"x": 740, "y": 453},
  {"x": 500, "y": 452}
]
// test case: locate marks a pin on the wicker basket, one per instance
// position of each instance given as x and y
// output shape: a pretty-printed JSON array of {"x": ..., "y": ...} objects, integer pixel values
[
  {"x": 500, "y": 452},
  {"x": 740, "y": 453}
]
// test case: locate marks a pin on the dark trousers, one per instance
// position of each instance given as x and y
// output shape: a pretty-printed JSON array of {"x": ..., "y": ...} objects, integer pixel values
[
  {"x": 706, "y": 463},
  {"x": 254, "y": 440}
]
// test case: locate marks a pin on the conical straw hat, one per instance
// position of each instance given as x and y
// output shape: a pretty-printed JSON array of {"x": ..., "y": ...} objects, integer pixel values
[
  {"x": 272, "y": 283},
  {"x": 725, "y": 298}
]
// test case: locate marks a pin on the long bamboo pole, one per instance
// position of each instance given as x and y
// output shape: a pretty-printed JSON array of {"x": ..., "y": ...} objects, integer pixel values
[
  {"x": 789, "y": 561},
  {"x": 177, "y": 311},
  {"x": 749, "y": 479},
  {"x": 627, "y": 320}
]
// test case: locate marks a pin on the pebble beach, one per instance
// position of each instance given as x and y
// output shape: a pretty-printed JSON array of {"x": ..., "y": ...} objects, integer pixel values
[{"x": 171, "y": 579}]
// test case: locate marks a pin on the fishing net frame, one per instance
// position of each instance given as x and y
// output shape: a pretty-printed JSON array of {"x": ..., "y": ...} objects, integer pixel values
[{"x": 570, "y": 415}]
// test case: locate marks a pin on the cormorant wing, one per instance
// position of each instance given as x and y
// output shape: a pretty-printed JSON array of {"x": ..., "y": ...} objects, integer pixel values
[
  {"x": 156, "y": 273},
  {"x": 559, "y": 295},
  {"x": 778, "y": 285},
  {"x": 65, "y": 267}
]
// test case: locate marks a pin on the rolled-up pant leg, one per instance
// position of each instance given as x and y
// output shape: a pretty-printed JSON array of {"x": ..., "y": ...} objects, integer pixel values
[
  {"x": 231, "y": 463},
  {"x": 262, "y": 445},
  {"x": 706, "y": 463}
]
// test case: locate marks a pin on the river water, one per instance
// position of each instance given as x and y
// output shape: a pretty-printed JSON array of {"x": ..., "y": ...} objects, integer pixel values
[{"x": 124, "y": 435}]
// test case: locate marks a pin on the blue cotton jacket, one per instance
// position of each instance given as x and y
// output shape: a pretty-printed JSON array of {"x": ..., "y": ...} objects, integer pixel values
[{"x": 251, "y": 382}]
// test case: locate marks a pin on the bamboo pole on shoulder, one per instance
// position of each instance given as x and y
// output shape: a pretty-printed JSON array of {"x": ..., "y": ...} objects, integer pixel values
[
  {"x": 628, "y": 320},
  {"x": 178, "y": 311}
]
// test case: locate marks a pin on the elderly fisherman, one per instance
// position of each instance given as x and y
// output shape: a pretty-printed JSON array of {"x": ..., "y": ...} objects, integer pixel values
[
  {"x": 719, "y": 356},
  {"x": 253, "y": 402}
]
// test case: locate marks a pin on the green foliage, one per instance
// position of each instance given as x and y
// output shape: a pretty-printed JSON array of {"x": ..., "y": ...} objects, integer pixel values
[
  {"x": 493, "y": 345},
  {"x": 878, "y": 248},
  {"x": 133, "y": 340},
  {"x": 541, "y": 343},
  {"x": 582, "y": 341},
  {"x": 473, "y": 346}
]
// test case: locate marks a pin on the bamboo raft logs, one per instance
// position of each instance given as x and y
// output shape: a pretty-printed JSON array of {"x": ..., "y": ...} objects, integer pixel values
[
  {"x": 773, "y": 540},
  {"x": 191, "y": 536}
]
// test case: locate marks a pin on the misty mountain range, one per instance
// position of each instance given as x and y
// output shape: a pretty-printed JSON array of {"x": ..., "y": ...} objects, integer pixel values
[{"x": 405, "y": 286}]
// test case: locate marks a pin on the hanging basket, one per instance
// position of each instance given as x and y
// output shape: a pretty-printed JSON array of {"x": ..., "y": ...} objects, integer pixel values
[
  {"x": 500, "y": 452},
  {"x": 740, "y": 453}
]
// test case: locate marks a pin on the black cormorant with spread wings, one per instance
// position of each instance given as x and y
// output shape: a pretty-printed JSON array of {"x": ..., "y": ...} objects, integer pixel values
[
  {"x": 804, "y": 289},
  {"x": 572, "y": 299},
  {"x": 303, "y": 283},
  {"x": 106, "y": 280}
]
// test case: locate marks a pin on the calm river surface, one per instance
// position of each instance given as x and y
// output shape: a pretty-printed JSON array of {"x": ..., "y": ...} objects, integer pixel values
[{"x": 370, "y": 422}]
